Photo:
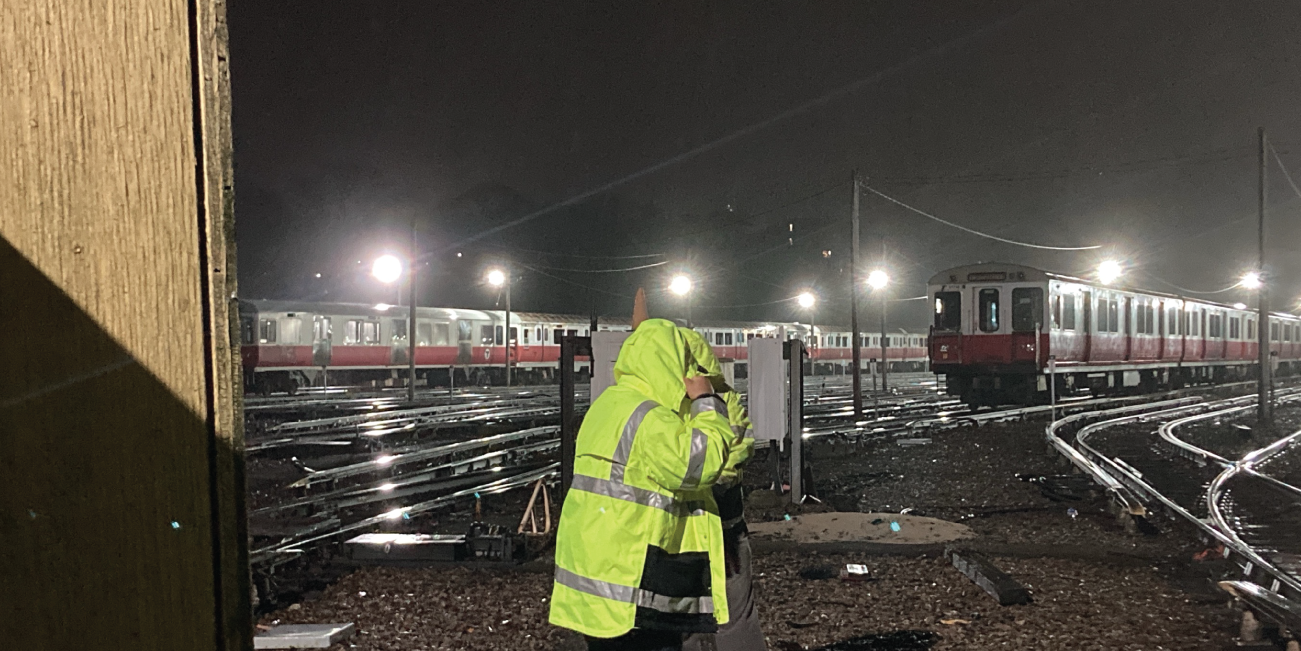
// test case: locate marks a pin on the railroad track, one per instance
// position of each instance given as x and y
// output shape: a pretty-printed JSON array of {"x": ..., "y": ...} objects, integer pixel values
[{"x": 1189, "y": 459}]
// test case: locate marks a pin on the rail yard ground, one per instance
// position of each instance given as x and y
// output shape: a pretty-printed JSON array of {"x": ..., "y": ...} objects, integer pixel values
[{"x": 1093, "y": 585}]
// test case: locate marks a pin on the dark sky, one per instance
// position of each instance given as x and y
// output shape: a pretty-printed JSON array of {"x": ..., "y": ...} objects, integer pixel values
[{"x": 720, "y": 127}]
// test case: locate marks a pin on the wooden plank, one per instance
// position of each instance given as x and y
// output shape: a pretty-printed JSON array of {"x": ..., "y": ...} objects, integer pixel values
[
  {"x": 996, "y": 582},
  {"x": 119, "y": 426}
]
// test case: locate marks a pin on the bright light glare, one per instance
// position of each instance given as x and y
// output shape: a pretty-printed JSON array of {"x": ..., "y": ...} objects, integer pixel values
[
  {"x": 382, "y": 307},
  {"x": 806, "y": 299},
  {"x": 496, "y": 278},
  {"x": 1239, "y": 306},
  {"x": 388, "y": 487},
  {"x": 395, "y": 514},
  {"x": 1250, "y": 280},
  {"x": 1109, "y": 271},
  {"x": 877, "y": 279},
  {"x": 387, "y": 269},
  {"x": 385, "y": 459},
  {"x": 680, "y": 285}
]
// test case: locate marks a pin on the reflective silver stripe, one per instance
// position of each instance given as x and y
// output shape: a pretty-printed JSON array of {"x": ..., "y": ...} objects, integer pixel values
[
  {"x": 605, "y": 589},
  {"x": 637, "y": 496},
  {"x": 696, "y": 464},
  {"x": 624, "y": 449},
  {"x": 629, "y": 594},
  {"x": 711, "y": 403},
  {"x": 687, "y": 605}
]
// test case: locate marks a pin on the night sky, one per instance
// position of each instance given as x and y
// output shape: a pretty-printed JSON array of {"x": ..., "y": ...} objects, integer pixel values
[{"x": 716, "y": 133}]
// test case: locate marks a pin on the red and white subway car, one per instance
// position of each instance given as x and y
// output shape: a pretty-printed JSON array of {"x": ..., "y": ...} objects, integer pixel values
[
  {"x": 997, "y": 326},
  {"x": 288, "y": 345}
]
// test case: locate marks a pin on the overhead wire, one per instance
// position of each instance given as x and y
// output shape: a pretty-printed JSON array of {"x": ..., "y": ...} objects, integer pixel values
[
  {"x": 1284, "y": 168},
  {"x": 576, "y": 284},
  {"x": 974, "y": 231},
  {"x": 755, "y": 127},
  {"x": 607, "y": 271},
  {"x": 558, "y": 254}
]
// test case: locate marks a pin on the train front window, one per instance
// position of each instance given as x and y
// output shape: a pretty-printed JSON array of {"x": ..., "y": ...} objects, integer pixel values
[
  {"x": 1027, "y": 309},
  {"x": 948, "y": 311},
  {"x": 989, "y": 316}
]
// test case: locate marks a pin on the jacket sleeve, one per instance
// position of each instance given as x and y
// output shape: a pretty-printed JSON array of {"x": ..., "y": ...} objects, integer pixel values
[
  {"x": 683, "y": 454},
  {"x": 736, "y": 414}
]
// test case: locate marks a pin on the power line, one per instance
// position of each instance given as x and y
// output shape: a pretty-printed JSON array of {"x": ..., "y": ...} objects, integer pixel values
[
  {"x": 607, "y": 271},
  {"x": 579, "y": 255},
  {"x": 1185, "y": 289},
  {"x": 566, "y": 280},
  {"x": 1285, "y": 172},
  {"x": 825, "y": 98},
  {"x": 1132, "y": 166},
  {"x": 976, "y": 232}
]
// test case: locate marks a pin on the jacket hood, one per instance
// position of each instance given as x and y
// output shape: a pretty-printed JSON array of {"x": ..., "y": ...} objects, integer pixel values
[
  {"x": 653, "y": 360},
  {"x": 701, "y": 353}
]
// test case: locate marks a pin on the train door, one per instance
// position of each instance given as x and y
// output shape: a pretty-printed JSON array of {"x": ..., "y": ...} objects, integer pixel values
[
  {"x": 464, "y": 343},
  {"x": 1027, "y": 324},
  {"x": 1087, "y": 330},
  {"x": 322, "y": 346},
  {"x": 1127, "y": 326}
]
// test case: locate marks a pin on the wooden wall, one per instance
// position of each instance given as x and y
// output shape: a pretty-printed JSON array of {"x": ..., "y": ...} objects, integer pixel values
[{"x": 121, "y": 484}]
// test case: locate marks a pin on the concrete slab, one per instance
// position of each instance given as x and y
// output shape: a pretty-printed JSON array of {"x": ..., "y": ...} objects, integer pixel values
[
  {"x": 877, "y": 528},
  {"x": 303, "y": 636}
]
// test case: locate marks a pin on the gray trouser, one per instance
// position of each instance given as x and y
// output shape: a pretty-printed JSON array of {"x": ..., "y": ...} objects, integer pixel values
[{"x": 741, "y": 632}]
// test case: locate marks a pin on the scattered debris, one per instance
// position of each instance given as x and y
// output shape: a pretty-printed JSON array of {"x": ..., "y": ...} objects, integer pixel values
[
  {"x": 955, "y": 622},
  {"x": 303, "y": 636},
  {"x": 991, "y": 579},
  {"x": 855, "y": 572}
]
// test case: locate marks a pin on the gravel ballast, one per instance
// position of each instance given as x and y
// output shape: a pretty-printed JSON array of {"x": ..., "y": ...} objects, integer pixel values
[{"x": 1093, "y": 585}]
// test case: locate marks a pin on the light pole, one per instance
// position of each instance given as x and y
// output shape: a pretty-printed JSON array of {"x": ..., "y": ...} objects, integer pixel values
[
  {"x": 807, "y": 300},
  {"x": 498, "y": 278},
  {"x": 878, "y": 280},
  {"x": 388, "y": 269},
  {"x": 681, "y": 285}
]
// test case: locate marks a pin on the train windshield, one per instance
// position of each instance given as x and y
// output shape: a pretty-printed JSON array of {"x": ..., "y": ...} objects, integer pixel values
[
  {"x": 948, "y": 311},
  {"x": 1027, "y": 309}
]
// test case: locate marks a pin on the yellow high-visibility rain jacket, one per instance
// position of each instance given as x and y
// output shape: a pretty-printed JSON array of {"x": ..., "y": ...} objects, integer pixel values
[{"x": 639, "y": 541}]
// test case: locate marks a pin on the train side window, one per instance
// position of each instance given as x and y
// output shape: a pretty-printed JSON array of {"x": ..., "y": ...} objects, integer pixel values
[
  {"x": 1068, "y": 312},
  {"x": 485, "y": 335},
  {"x": 1287, "y": 333},
  {"x": 514, "y": 334},
  {"x": 539, "y": 338},
  {"x": 267, "y": 331},
  {"x": 291, "y": 330},
  {"x": 1273, "y": 332},
  {"x": 321, "y": 330},
  {"x": 370, "y": 332},
  {"x": 989, "y": 315},
  {"x": 1251, "y": 329},
  {"x": 424, "y": 334},
  {"x": 498, "y": 336},
  {"x": 1113, "y": 315},
  {"x": 527, "y": 331},
  {"x": 246, "y": 328},
  {"x": 1213, "y": 327},
  {"x": 352, "y": 332},
  {"x": 948, "y": 311},
  {"x": 1140, "y": 320},
  {"x": 718, "y": 339},
  {"x": 1235, "y": 327},
  {"x": 556, "y": 335},
  {"x": 727, "y": 339},
  {"x": 399, "y": 331}
]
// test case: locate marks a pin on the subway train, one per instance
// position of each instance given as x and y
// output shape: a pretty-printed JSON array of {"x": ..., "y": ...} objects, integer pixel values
[
  {"x": 289, "y": 345},
  {"x": 998, "y": 326}
]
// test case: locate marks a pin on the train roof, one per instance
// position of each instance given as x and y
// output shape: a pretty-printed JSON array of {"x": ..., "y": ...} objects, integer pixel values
[{"x": 1023, "y": 273}]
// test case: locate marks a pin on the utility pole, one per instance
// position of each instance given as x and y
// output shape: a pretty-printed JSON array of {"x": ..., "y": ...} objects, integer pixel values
[
  {"x": 885, "y": 363},
  {"x": 1264, "y": 409},
  {"x": 411, "y": 309},
  {"x": 853, "y": 300}
]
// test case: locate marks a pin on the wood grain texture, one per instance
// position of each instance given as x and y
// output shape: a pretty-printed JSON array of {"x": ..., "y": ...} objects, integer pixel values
[{"x": 119, "y": 436}]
